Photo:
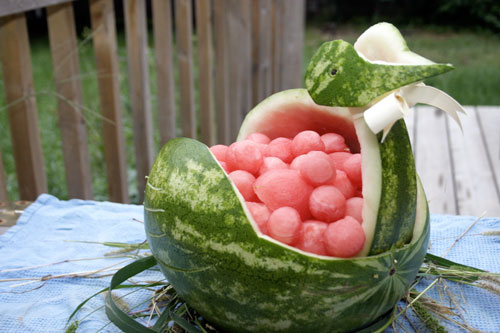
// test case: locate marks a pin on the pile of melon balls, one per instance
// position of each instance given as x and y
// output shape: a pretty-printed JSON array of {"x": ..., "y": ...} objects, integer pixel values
[{"x": 303, "y": 191}]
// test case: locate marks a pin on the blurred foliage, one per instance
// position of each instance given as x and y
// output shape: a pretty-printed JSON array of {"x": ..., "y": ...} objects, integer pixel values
[{"x": 457, "y": 14}]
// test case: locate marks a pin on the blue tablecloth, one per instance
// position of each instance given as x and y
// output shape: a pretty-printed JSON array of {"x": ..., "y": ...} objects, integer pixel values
[{"x": 52, "y": 231}]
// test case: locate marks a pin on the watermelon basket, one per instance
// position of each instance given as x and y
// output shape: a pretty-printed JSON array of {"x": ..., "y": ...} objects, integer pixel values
[{"x": 314, "y": 220}]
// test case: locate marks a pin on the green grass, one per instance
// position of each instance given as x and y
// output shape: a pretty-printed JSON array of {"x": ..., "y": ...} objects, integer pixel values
[{"x": 475, "y": 81}]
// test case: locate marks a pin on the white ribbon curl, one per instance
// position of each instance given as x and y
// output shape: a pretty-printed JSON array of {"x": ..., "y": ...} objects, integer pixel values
[{"x": 382, "y": 115}]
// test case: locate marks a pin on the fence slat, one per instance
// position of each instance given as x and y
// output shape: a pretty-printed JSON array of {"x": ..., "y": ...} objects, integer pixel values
[
  {"x": 64, "y": 49},
  {"x": 239, "y": 62},
  {"x": 4, "y": 196},
  {"x": 8, "y": 7},
  {"x": 261, "y": 50},
  {"x": 137, "y": 51},
  {"x": 104, "y": 39},
  {"x": 22, "y": 111},
  {"x": 277, "y": 42},
  {"x": 183, "y": 22},
  {"x": 162, "y": 23},
  {"x": 204, "y": 35},
  {"x": 221, "y": 73},
  {"x": 293, "y": 20}
]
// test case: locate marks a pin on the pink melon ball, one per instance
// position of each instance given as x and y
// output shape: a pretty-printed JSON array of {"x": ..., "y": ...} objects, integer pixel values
[
  {"x": 352, "y": 167},
  {"x": 311, "y": 237},
  {"x": 280, "y": 148},
  {"x": 339, "y": 158},
  {"x": 244, "y": 182},
  {"x": 284, "y": 187},
  {"x": 334, "y": 143},
  {"x": 327, "y": 203},
  {"x": 219, "y": 152},
  {"x": 260, "y": 214},
  {"x": 354, "y": 208},
  {"x": 305, "y": 142},
  {"x": 344, "y": 238},
  {"x": 284, "y": 225},
  {"x": 259, "y": 138},
  {"x": 224, "y": 166},
  {"x": 244, "y": 155},
  {"x": 272, "y": 163},
  {"x": 316, "y": 167},
  {"x": 343, "y": 184}
]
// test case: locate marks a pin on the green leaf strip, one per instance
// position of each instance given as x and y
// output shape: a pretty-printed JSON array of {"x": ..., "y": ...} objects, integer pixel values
[
  {"x": 114, "y": 313},
  {"x": 448, "y": 263}
]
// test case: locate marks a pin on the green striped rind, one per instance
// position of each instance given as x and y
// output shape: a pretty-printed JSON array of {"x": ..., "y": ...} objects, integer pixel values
[
  {"x": 357, "y": 82},
  {"x": 398, "y": 191},
  {"x": 200, "y": 234}
]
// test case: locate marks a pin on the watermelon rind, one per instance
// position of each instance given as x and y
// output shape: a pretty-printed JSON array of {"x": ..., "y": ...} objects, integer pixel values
[
  {"x": 338, "y": 75},
  {"x": 208, "y": 247}
]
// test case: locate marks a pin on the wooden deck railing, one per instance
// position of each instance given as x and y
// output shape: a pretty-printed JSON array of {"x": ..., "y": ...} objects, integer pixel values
[{"x": 246, "y": 50}]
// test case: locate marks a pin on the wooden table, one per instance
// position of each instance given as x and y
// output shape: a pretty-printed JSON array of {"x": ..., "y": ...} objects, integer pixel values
[
  {"x": 460, "y": 171},
  {"x": 9, "y": 212}
]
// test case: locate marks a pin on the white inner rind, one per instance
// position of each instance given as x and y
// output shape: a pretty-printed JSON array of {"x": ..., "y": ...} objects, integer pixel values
[
  {"x": 383, "y": 43},
  {"x": 371, "y": 172}
]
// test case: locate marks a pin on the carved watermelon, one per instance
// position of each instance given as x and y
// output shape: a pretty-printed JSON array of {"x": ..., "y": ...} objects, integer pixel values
[{"x": 211, "y": 249}]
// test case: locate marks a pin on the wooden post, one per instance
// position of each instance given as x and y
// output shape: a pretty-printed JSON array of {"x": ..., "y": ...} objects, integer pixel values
[
  {"x": 162, "y": 23},
  {"x": 292, "y": 44},
  {"x": 4, "y": 196},
  {"x": 64, "y": 49},
  {"x": 184, "y": 21},
  {"x": 277, "y": 43},
  {"x": 137, "y": 51},
  {"x": 261, "y": 50},
  {"x": 9, "y": 7},
  {"x": 103, "y": 26},
  {"x": 239, "y": 62},
  {"x": 204, "y": 34},
  {"x": 22, "y": 111},
  {"x": 221, "y": 73}
]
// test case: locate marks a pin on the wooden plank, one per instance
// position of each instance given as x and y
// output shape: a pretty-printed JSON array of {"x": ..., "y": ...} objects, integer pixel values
[
  {"x": 433, "y": 161},
  {"x": 489, "y": 124},
  {"x": 4, "y": 196},
  {"x": 261, "y": 50},
  {"x": 239, "y": 62},
  {"x": 104, "y": 39},
  {"x": 476, "y": 192},
  {"x": 162, "y": 24},
  {"x": 64, "y": 49},
  {"x": 183, "y": 22},
  {"x": 205, "y": 69},
  {"x": 277, "y": 43},
  {"x": 140, "y": 96},
  {"x": 221, "y": 73},
  {"x": 22, "y": 111},
  {"x": 9, "y": 7},
  {"x": 246, "y": 60},
  {"x": 293, "y": 20}
]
